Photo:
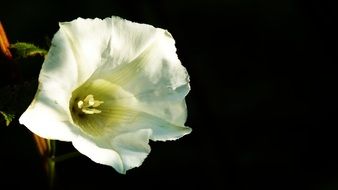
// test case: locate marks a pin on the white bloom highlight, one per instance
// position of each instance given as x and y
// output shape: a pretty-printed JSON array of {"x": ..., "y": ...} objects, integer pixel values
[{"x": 109, "y": 86}]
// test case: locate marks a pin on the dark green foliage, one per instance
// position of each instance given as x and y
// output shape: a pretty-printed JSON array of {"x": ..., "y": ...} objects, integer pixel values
[
  {"x": 24, "y": 50},
  {"x": 7, "y": 117}
]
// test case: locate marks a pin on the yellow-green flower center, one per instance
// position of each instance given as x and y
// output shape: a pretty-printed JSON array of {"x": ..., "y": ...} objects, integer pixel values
[{"x": 99, "y": 105}]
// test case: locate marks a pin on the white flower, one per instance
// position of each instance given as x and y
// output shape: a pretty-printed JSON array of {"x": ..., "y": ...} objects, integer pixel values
[{"x": 109, "y": 86}]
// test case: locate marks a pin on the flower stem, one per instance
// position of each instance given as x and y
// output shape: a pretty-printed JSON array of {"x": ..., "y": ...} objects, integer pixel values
[
  {"x": 66, "y": 156},
  {"x": 47, "y": 149},
  {"x": 51, "y": 162},
  {"x": 51, "y": 173}
]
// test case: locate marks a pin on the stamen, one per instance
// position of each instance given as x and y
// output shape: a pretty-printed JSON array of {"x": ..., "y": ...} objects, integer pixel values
[
  {"x": 80, "y": 104},
  {"x": 89, "y": 104}
]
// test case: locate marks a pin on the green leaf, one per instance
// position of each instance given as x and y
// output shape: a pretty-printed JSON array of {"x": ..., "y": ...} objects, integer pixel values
[
  {"x": 25, "y": 50},
  {"x": 8, "y": 117}
]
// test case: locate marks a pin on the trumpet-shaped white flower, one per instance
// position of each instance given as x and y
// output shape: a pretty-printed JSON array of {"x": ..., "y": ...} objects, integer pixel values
[{"x": 109, "y": 86}]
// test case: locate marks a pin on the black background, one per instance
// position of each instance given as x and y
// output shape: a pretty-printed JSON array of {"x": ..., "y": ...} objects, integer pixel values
[{"x": 262, "y": 105}]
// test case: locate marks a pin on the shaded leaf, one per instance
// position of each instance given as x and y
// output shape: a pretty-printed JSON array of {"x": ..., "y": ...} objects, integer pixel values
[
  {"x": 24, "y": 50},
  {"x": 8, "y": 117}
]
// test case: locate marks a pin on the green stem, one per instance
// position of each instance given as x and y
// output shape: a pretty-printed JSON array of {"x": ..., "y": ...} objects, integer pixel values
[
  {"x": 66, "y": 156},
  {"x": 51, "y": 147},
  {"x": 51, "y": 162},
  {"x": 51, "y": 174},
  {"x": 52, "y": 159}
]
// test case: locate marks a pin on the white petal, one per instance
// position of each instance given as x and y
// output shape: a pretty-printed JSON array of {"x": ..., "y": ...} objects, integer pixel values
[
  {"x": 158, "y": 81},
  {"x": 123, "y": 152},
  {"x": 162, "y": 130},
  {"x": 48, "y": 115},
  {"x": 88, "y": 39},
  {"x": 165, "y": 83},
  {"x": 132, "y": 147},
  {"x": 48, "y": 119},
  {"x": 127, "y": 41},
  {"x": 101, "y": 45},
  {"x": 99, "y": 154},
  {"x": 59, "y": 70}
]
